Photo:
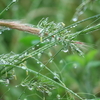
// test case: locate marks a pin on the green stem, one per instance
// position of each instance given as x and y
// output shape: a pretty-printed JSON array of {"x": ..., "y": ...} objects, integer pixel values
[
  {"x": 93, "y": 28},
  {"x": 63, "y": 86},
  {"x": 7, "y": 7}
]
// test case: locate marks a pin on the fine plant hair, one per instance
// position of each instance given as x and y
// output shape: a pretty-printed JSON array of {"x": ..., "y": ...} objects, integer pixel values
[{"x": 51, "y": 35}]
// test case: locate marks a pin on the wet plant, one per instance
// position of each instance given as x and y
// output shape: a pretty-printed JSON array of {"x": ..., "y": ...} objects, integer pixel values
[{"x": 51, "y": 35}]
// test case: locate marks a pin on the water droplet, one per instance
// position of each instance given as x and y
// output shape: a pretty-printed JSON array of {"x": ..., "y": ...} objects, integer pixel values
[
  {"x": 47, "y": 40},
  {"x": 56, "y": 76},
  {"x": 50, "y": 54},
  {"x": 74, "y": 25},
  {"x": 61, "y": 61},
  {"x": 30, "y": 88},
  {"x": 7, "y": 81},
  {"x": 8, "y": 29},
  {"x": 41, "y": 65},
  {"x": 17, "y": 86},
  {"x": 33, "y": 48},
  {"x": 81, "y": 12},
  {"x": 25, "y": 53},
  {"x": 37, "y": 45},
  {"x": 58, "y": 96},
  {"x": 53, "y": 39},
  {"x": 38, "y": 62},
  {"x": 22, "y": 84},
  {"x": 0, "y": 32},
  {"x": 39, "y": 55},
  {"x": 75, "y": 66},
  {"x": 65, "y": 50},
  {"x": 25, "y": 99},
  {"x": 13, "y": 0},
  {"x": 51, "y": 61},
  {"x": 23, "y": 67},
  {"x": 75, "y": 19},
  {"x": 39, "y": 86}
]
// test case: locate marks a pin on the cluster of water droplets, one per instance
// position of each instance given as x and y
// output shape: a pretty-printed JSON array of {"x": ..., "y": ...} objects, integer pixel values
[
  {"x": 50, "y": 30},
  {"x": 76, "y": 49},
  {"x": 38, "y": 85},
  {"x": 5, "y": 81},
  {"x": 56, "y": 76},
  {"x": 2, "y": 29},
  {"x": 8, "y": 58}
]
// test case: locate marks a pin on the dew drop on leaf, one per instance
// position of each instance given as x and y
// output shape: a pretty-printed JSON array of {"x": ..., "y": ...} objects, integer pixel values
[
  {"x": 23, "y": 67},
  {"x": 7, "y": 81},
  {"x": 30, "y": 88},
  {"x": 61, "y": 61},
  {"x": 25, "y": 99},
  {"x": 33, "y": 48},
  {"x": 65, "y": 50},
  {"x": 41, "y": 65},
  {"x": 38, "y": 62},
  {"x": 75, "y": 19},
  {"x": 51, "y": 61},
  {"x": 23, "y": 84},
  {"x": 13, "y": 0},
  {"x": 50, "y": 54},
  {"x": 39, "y": 55},
  {"x": 0, "y": 32}
]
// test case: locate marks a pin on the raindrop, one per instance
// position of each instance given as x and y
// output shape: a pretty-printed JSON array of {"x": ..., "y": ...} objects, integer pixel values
[
  {"x": 25, "y": 99},
  {"x": 51, "y": 61},
  {"x": 56, "y": 76},
  {"x": 81, "y": 12},
  {"x": 7, "y": 8},
  {"x": 30, "y": 88},
  {"x": 7, "y": 81},
  {"x": 53, "y": 39},
  {"x": 75, "y": 19},
  {"x": 74, "y": 25},
  {"x": 69, "y": 31},
  {"x": 16, "y": 86},
  {"x": 61, "y": 61},
  {"x": 33, "y": 48},
  {"x": 75, "y": 66},
  {"x": 37, "y": 45},
  {"x": 41, "y": 65},
  {"x": 39, "y": 86},
  {"x": 65, "y": 50},
  {"x": 39, "y": 55},
  {"x": 6, "y": 85},
  {"x": 25, "y": 54},
  {"x": 58, "y": 96},
  {"x": 8, "y": 29},
  {"x": 50, "y": 54},
  {"x": 23, "y": 84},
  {"x": 23, "y": 67},
  {"x": 38, "y": 62},
  {"x": 47, "y": 40},
  {"x": 0, "y": 32},
  {"x": 13, "y": 0}
]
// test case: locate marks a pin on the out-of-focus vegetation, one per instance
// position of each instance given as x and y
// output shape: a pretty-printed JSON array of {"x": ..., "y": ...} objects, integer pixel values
[{"x": 79, "y": 73}]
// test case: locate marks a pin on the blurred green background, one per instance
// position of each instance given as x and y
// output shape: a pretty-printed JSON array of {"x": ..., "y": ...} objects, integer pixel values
[{"x": 81, "y": 74}]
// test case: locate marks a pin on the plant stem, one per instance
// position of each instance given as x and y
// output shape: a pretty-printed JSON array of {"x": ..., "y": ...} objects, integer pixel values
[
  {"x": 93, "y": 28},
  {"x": 63, "y": 86},
  {"x": 19, "y": 26},
  {"x": 7, "y": 7}
]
